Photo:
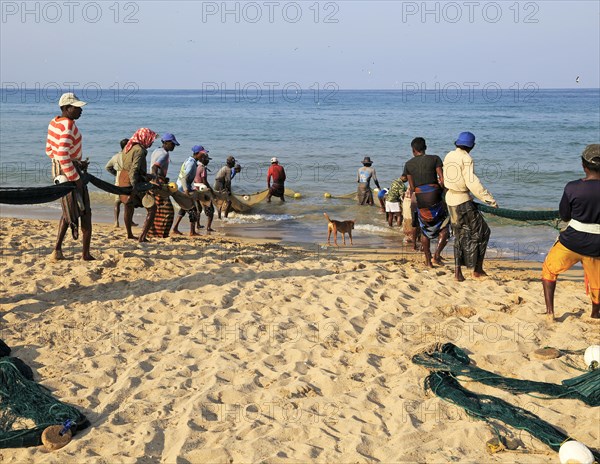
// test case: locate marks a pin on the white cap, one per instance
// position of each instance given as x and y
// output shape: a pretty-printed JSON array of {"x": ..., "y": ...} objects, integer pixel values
[
  {"x": 274, "y": 160},
  {"x": 70, "y": 99}
]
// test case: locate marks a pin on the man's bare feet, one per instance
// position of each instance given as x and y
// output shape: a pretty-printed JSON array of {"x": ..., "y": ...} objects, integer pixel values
[
  {"x": 116, "y": 225},
  {"x": 458, "y": 276},
  {"x": 57, "y": 255},
  {"x": 175, "y": 232},
  {"x": 194, "y": 234},
  {"x": 595, "y": 311},
  {"x": 132, "y": 237},
  {"x": 88, "y": 258},
  {"x": 209, "y": 229},
  {"x": 478, "y": 274}
]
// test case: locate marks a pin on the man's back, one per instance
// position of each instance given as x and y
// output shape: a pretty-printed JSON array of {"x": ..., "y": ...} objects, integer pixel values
[
  {"x": 277, "y": 172},
  {"x": 422, "y": 168},
  {"x": 581, "y": 201},
  {"x": 365, "y": 174}
]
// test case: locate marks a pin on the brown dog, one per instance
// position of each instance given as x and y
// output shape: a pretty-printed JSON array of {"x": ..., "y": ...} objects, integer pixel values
[{"x": 343, "y": 227}]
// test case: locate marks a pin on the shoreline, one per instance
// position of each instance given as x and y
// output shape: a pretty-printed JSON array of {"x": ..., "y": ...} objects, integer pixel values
[{"x": 232, "y": 350}]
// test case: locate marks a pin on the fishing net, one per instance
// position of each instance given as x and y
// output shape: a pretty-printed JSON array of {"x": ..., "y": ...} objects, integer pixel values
[
  {"x": 37, "y": 195},
  {"x": 34, "y": 195},
  {"x": 450, "y": 358},
  {"x": 27, "y": 408},
  {"x": 531, "y": 217},
  {"x": 449, "y": 362}
]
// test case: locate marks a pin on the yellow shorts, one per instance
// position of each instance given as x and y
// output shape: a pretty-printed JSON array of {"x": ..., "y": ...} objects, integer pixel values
[{"x": 561, "y": 259}]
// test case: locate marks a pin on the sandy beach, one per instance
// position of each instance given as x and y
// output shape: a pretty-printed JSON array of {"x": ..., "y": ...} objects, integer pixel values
[{"x": 218, "y": 350}]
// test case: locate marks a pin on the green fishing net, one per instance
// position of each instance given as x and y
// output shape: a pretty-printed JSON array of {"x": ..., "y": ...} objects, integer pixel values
[
  {"x": 448, "y": 362},
  {"x": 27, "y": 408}
]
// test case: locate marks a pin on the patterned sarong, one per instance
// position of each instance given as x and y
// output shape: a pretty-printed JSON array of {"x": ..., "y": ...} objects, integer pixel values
[
  {"x": 431, "y": 210},
  {"x": 471, "y": 234},
  {"x": 165, "y": 213}
]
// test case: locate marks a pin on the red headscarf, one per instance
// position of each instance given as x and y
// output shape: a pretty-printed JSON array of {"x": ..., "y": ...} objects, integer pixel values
[{"x": 144, "y": 136}]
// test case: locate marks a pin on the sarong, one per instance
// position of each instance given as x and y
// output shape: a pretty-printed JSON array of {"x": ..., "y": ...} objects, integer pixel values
[
  {"x": 431, "y": 210},
  {"x": 471, "y": 234},
  {"x": 364, "y": 194},
  {"x": 277, "y": 190},
  {"x": 165, "y": 213},
  {"x": 75, "y": 204}
]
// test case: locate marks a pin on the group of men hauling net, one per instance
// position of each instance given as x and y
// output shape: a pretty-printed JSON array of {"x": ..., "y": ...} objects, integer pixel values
[{"x": 579, "y": 206}]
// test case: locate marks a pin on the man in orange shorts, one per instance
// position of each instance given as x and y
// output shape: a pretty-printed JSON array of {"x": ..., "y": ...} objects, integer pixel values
[{"x": 580, "y": 241}]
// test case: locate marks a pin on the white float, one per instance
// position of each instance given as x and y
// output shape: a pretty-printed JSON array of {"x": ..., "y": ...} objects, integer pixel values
[
  {"x": 592, "y": 353},
  {"x": 574, "y": 452}
]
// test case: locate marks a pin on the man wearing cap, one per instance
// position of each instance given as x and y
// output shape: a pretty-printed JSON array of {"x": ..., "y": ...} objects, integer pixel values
[
  {"x": 470, "y": 230},
  {"x": 64, "y": 147},
  {"x": 159, "y": 166},
  {"x": 364, "y": 176},
  {"x": 161, "y": 157},
  {"x": 277, "y": 174},
  {"x": 202, "y": 178},
  {"x": 580, "y": 241},
  {"x": 185, "y": 183}
]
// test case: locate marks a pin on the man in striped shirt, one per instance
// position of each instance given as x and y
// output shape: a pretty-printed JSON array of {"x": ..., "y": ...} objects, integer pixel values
[{"x": 63, "y": 146}]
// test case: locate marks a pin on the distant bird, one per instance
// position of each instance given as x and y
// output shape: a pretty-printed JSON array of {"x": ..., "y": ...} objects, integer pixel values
[{"x": 577, "y": 79}]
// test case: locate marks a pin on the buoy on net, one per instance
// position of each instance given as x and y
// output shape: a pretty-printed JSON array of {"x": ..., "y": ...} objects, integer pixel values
[{"x": 575, "y": 452}]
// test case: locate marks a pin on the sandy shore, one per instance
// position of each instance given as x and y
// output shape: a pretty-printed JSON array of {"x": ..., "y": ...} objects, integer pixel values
[{"x": 218, "y": 350}]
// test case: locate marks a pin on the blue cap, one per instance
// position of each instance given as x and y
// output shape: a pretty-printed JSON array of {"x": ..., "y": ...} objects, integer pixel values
[
  {"x": 198, "y": 149},
  {"x": 466, "y": 139},
  {"x": 169, "y": 138}
]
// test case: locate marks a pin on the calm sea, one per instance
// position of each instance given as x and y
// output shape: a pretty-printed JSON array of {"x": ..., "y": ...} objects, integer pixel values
[{"x": 529, "y": 143}]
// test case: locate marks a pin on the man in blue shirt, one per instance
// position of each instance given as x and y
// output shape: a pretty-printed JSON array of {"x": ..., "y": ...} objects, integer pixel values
[
  {"x": 185, "y": 183},
  {"x": 580, "y": 241}
]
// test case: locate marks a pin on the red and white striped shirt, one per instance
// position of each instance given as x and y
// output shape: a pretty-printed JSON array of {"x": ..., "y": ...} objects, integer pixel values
[{"x": 64, "y": 145}]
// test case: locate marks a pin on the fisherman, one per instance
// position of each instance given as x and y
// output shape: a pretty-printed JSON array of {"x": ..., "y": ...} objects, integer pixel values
[
  {"x": 580, "y": 241},
  {"x": 159, "y": 166},
  {"x": 364, "y": 176},
  {"x": 114, "y": 167},
  {"x": 222, "y": 186},
  {"x": 64, "y": 147},
  {"x": 133, "y": 174},
  {"x": 185, "y": 183},
  {"x": 471, "y": 233},
  {"x": 277, "y": 174},
  {"x": 202, "y": 179},
  {"x": 426, "y": 179},
  {"x": 393, "y": 201}
]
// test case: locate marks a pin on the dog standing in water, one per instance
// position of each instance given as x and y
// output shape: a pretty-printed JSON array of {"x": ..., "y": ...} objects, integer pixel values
[{"x": 343, "y": 227}]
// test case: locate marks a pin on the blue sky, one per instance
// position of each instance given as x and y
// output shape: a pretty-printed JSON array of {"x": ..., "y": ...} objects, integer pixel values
[{"x": 353, "y": 44}]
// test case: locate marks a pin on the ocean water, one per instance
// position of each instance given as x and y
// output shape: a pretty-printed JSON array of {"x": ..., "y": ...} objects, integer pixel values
[{"x": 529, "y": 143}]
